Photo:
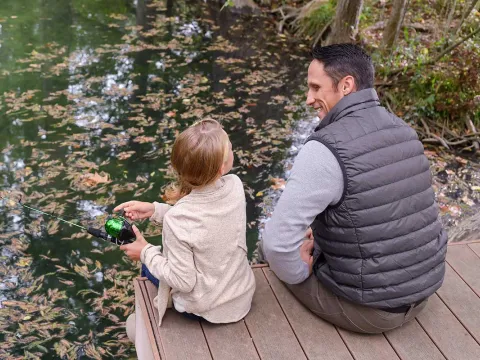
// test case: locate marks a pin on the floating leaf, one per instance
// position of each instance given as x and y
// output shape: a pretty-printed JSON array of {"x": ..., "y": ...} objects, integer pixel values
[{"x": 95, "y": 179}]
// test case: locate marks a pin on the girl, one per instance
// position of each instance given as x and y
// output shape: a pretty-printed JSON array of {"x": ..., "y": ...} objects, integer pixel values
[{"x": 204, "y": 261}]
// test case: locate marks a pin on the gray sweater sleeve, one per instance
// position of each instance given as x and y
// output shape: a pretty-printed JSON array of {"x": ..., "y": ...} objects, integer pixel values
[{"x": 316, "y": 181}]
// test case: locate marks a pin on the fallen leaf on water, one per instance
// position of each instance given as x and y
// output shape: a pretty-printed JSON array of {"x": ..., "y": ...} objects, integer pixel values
[
  {"x": 66, "y": 282},
  {"x": 94, "y": 179},
  {"x": 24, "y": 261},
  {"x": 125, "y": 155},
  {"x": 229, "y": 102},
  {"x": 144, "y": 139}
]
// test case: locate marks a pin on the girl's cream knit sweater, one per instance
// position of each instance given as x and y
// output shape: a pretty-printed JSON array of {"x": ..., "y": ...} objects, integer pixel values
[{"x": 204, "y": 261}]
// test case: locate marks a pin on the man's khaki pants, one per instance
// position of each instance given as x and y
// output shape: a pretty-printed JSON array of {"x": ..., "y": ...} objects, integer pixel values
[{"x": 346, "y": 314}]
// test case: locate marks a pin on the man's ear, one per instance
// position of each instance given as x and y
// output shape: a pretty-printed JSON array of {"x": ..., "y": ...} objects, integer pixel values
[{"x": 347, "y": 85}]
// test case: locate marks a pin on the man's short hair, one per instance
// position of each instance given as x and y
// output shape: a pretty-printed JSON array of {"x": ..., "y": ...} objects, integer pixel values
[{"x": 340, "y": 60}]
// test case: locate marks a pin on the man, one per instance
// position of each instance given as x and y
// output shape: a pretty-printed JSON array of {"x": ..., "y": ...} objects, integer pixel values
[{"x": 363, "y": 184}]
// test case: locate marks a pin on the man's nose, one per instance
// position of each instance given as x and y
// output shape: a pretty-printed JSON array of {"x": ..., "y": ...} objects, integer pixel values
[{"x": 310, "y": 99}]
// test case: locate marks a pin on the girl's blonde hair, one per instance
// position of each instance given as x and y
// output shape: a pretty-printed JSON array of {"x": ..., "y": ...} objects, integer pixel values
[{"x": 197, "y": 156}]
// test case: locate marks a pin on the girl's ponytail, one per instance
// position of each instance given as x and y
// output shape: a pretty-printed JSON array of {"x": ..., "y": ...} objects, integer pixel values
[{"x": 175, "y": 191}]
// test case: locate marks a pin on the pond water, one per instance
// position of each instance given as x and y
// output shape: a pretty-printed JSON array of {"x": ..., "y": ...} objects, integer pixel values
[{"x": 92, "y": 94}]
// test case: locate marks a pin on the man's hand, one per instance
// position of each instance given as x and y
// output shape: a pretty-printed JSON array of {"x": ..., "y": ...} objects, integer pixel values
[
  {"x": 309, "y": 233},
  {"x": 136, "y": 210},
  {"x": 134, "y": 249},
  {"x": 306, "y": 254}
]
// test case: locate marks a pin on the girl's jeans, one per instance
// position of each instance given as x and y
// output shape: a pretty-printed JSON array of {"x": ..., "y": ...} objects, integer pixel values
[{"x": 146, "y": 273}]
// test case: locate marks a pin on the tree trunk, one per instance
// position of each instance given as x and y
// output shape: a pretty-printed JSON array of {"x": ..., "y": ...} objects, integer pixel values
[
  {"x": 450, "y": 18},
  {"x": 390, "y": 34},
  {"x": 345, "y": 25}
]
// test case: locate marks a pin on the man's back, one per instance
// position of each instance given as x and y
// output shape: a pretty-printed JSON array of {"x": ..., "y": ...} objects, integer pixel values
[{"x": 382, "y": 244}]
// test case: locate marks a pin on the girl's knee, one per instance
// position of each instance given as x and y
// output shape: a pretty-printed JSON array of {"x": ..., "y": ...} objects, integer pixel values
[{"x": 130, "y": 325}]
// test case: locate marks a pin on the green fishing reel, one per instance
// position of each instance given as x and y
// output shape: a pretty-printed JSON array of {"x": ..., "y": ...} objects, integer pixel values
[{"x": 117, "y": 230}]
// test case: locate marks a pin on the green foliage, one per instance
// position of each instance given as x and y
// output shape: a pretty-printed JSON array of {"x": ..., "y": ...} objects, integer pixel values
[
  {"x": 443, "y": 93},
  {"x": 228, "y": 3},
  {"x": 450, "y": 93},
  {"x": 315, "y": 18},
  {"x": 369, "y": 14}
]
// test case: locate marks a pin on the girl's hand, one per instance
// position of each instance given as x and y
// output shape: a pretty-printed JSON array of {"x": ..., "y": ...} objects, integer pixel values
[
  {"x": 136, "y": 210},
  {"x": 134, "y": 249}
]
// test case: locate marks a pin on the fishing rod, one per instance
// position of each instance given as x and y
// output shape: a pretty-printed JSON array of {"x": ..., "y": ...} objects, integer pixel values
[{"x": 117, "y": 229}]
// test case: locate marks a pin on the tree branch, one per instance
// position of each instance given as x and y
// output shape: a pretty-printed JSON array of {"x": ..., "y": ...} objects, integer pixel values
[
  {"x": 320, "y": 35},
  {"x": 380, "y": 25},
  {"x": 451, "y": 47},
  {"x": 465, "y": 15}
]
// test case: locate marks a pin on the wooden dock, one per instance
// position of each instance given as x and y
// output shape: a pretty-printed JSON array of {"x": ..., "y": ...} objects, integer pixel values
[{"x": 278, "y": 327}]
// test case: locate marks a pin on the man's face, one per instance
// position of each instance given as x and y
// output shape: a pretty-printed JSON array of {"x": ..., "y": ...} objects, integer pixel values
[{"x": 322, "y": 94}]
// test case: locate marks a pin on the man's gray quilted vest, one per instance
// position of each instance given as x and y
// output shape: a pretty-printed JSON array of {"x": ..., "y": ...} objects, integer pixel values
[{"x": 382, "y": 245}]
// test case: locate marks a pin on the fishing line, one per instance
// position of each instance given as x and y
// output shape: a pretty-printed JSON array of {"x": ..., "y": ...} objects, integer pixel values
[
  {"x": 117, "y": 229},
  {"x": 44, "y": 213}
]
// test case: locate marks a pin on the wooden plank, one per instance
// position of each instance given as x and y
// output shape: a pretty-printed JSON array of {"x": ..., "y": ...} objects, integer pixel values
[
  {"x": 462, "y": 301},
  {"x": 144, "y": 302},
  {"x": 259, "y": 266},
  {"x": 464, "y": 242},
  {"x": 467, "y": 264},
  {"x": 183, "y": 338},
  {"x": 319, "y": 339},
  {"x": 270, "y": 330},
  {"x": 229, "y": 341},
  {"x": 475, "y": 248},
  {"x": 178, "y": 337},
  {"x": 412, "y": 343},
  {"x": 447, "y": 332},
  {"x": 152, "y": 291},
  {"x": 368, "y": 347}
]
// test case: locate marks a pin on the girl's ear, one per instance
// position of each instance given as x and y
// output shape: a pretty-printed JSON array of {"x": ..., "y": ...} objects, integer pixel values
[{"x": 222, "y": 169}]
